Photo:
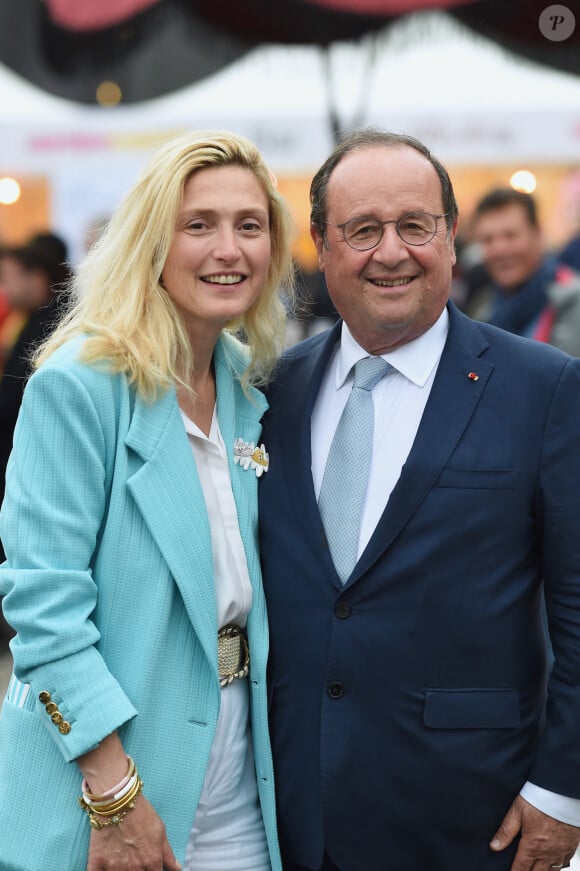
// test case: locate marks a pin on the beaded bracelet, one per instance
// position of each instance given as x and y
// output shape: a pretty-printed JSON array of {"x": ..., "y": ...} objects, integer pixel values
[{"x": 113, "y": 817}]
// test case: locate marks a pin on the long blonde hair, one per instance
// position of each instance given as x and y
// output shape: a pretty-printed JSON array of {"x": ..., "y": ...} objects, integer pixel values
[{"x": 117, "y": 299}]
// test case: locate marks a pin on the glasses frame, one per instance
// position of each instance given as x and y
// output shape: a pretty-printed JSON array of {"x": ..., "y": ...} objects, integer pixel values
[{"x": 383, "y": 224}]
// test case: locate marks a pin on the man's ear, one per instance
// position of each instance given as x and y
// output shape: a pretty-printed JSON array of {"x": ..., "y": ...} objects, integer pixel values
[
  {"x": 319, "y": 245},
  {"x": 452, "y": 240}
]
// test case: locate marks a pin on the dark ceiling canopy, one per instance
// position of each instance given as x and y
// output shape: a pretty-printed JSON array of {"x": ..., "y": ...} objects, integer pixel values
[{"x": 153, "y": 47}]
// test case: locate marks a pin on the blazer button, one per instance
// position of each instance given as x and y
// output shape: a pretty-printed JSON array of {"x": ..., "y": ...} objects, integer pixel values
[
  {"x": 44, "y": 697},
  {"x": 56, "y": 718},
  {"x": 335, "y": 690},
  {"x": 342, "y": 610},
  {"x": 51, "y": 708},
  {"x": 64, "y": 727}
]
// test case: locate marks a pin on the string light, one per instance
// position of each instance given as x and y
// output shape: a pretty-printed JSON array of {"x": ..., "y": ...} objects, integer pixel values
[
  {"x": 109, "y": 94},
  {"x": 9, "y": 191},
  {"x": 523, "y": 180}
]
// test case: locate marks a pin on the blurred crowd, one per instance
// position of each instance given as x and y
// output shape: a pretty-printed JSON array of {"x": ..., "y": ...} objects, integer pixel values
[{"x": 33, "y": 280}]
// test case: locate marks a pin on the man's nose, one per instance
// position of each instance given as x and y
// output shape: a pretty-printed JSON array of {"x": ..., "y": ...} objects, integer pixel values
[{"x": 391, "y": 248}]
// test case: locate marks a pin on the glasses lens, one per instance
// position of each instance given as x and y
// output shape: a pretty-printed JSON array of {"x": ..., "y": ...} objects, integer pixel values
[
  {"x": 363, "y": 233},
  {"x": 417, "y": 228}
]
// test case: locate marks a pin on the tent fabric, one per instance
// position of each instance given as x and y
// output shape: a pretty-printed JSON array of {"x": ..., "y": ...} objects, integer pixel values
[
  {"x": 153, "y": 47},
  {"x": 514, "y": 24},
  {"x": 162, "y": 49}
]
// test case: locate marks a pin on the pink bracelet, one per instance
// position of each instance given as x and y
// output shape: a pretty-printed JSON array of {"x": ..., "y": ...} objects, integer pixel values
[
  {"x": 110, "y": 793},
  {"x": 103, "y": 802}
]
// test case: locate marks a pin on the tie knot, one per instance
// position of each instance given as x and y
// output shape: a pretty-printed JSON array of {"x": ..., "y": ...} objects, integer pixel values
[{"x": 369, "y": 371}]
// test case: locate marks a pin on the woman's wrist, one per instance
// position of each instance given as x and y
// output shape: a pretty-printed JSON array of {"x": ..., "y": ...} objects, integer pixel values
[
  {"x": 103, "y": 811},
  {"x": 105, "y": 766}
]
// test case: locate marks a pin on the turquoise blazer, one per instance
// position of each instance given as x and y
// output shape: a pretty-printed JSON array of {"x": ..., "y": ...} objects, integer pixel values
[{"x": 109, "y": 584}]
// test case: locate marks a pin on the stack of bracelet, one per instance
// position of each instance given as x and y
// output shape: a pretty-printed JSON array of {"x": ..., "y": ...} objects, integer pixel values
[{"x": 113, "y": 804}]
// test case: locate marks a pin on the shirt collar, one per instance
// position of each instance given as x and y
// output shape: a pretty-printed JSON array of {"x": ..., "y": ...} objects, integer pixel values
[
  {"x": 415, "y": 360},
  {"x": 192, "y": 428}
]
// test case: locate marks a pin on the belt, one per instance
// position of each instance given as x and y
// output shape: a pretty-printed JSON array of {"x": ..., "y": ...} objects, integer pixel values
[{"x": 233, "y": 654}]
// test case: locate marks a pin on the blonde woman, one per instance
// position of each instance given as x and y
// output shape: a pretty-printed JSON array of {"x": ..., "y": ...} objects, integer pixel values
[{"x": 129, "y": 526}]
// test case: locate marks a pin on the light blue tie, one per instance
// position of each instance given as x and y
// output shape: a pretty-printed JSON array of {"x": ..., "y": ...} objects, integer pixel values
[{"x": 346, "y": 474}]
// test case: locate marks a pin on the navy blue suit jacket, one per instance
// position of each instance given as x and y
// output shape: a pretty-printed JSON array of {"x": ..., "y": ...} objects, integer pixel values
[{"x": 408, "y": 707}]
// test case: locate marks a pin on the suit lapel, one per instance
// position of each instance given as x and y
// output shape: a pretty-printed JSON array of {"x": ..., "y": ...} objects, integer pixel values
[
  {"x": 453, "y": 399},
  {"x": 293, "y": 414},
  {"x": 452, "y": 402}
]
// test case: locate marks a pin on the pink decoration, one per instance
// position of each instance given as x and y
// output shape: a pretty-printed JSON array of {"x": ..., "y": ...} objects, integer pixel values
[{"x": 94, "y": 14}]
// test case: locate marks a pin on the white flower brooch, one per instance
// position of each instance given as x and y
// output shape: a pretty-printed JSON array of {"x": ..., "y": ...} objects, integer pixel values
[{"x": 248, "y": 456}]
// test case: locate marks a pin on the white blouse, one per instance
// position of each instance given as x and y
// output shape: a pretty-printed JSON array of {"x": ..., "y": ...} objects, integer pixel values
[
  {"x": 232, "y": 581},
  {"x": 228, "y": 830}
]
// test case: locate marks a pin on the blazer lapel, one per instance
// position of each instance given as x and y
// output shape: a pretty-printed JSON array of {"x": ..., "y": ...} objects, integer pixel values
[
  {"x": 240, "y": 417},
  {"x": 167, "y": 491},
  {"x": 453, "y": 399}
]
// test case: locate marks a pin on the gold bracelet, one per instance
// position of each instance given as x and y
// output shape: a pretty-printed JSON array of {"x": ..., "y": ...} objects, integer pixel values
[
  {"x": 106, "y": 809},
  {"x": 113, "y": 799},
  {"x": 115, "y": 815},
  {"x": 103, "y": 796}
]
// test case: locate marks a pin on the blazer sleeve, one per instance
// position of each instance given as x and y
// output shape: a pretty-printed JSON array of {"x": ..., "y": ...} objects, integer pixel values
[
  {"x": 56, "y": 497},
  {"x": 557, "y": 761}
]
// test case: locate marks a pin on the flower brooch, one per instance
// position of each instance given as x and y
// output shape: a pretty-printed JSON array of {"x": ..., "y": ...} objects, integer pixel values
[{"x": 249, "y": 456}]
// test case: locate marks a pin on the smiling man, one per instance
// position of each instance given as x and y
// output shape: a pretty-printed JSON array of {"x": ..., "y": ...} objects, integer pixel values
[
  {"x": 423, "y": 485},
  {"x": 531, "y": 294}
]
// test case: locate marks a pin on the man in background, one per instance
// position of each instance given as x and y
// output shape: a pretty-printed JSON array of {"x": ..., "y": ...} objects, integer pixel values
[{"x": 531, "y": 293}]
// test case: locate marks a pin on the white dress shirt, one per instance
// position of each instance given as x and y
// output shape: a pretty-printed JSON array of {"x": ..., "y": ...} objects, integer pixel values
[{"x": 400, "y": 399}]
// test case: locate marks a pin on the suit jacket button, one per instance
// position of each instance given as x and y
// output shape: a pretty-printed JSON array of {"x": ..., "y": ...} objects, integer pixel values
[
  {"x": 51, "y": 708},
  {"x": 64, "y": 727},
  {"x": 342, "y": 610},
  {"x": 44, "y": 697},
  {"x": 56, "y": 718},
  {"x": 335, "y": 690}
]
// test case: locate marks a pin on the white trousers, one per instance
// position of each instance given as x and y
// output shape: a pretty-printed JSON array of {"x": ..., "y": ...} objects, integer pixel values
[{"x": 228, "y": 830}]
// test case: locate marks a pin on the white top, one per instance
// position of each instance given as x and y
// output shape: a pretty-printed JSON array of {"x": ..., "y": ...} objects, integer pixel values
[
  {"x": 400, "y": 399},
  {"x": 228, "y": 830},
  {"x": 232, "y": 581}
]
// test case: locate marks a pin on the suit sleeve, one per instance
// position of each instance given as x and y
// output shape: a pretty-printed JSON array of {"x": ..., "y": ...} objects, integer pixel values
[
  {"x": 56, "y": 496},
  {"x": 557, "y": 761}
]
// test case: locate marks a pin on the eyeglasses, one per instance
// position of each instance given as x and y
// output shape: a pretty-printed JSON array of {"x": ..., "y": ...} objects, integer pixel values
[{"x": 363, "y": 233}]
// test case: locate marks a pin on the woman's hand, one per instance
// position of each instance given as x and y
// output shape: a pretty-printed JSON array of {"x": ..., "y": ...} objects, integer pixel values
[{"x": 138, "y": 843}]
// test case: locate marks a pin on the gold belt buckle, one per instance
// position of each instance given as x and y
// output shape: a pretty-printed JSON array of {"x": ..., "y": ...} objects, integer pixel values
[{"x": 233, "y": 654}]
